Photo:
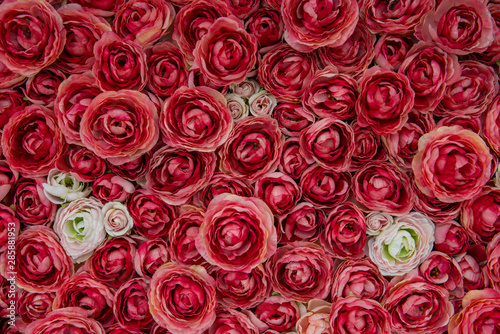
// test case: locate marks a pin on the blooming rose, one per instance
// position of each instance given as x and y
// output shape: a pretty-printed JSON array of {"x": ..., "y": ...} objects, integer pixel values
[
  {"x": 384, "y": 101},
  {"x": 353, "y": 315},
  {"x": 144, "y": 22},
  {"x": 81, "y": 164},
  {"x": 30, "y": 203},
  {"x": 267, "y": 27},
  {"x": 83, "y": 291},
  {"x": 133, "y": 170},
  {"x": 286, "y": 73},
  {"x": 480, "y": 215},
  {"x": 73, "y": 99},
  {"x": 80, "y": 227},
  {"x": 176, "y": 175},
  {"x": 435, "y": 168},
  {"x": 150, "y": 255},
  {"x": 244, "y": 290},
  {"x": 303, "y": 223},
  {"x": 310, "y": 25},
  {"x": 62, "y": 188},
  {"x": 292, "y": 118},
  {"x": 416, "y": 306},
  {"x": 276, "y": 313},
  {"x": 237, "y": 233},
  {"x": 253, "y": 148},
  {"x": 451, "y": 238},
  {"x": 182, "y": 235},
  {"x": 381, "y": 186},
  {"x": 301, "y": 271},
  {"x": 232, "y": 321},
  {"x": 120, "y": 126},
  {"x": 262, "y": 103},
  {"x": 195, "y": 119},
  {"x": 34, "y": 35},
  {"x": 42, "y": 88},
  {"x": 182, "y": 299},
  {"x": 460, "y": 27},
  {"x": 404, "y": 245},
  {"x": 391, "y": 50},
  {"x": 110, "y": 187},
  {"x": 7, "y": 178},
  {"x": 359, "y": 278},
  {"x": 292, "y": 163},
  {"x": 119, "y": 64},
  {"x": 278, "y": 191},
  {"x": 131, "y": 305},
  {"x": 437, "y": 211},
  {"x": 35, "y": 305},
  {"x": 367, "y": 147},
  {"x": 237, "y": 106},
  {"x": 481, "y": 311},
  {"x": 316, "y": 319},
  {"x": 242, "y": 9},
  {"x": 65, "y": 320},
  {"x": 441, "y": 269},
  {"x": 152, "y": 216},
  {"x": 167, "y": 69},
  {"x": 377, "y": 221},
  {"x": 344, "y": 232},
  {"x": 325, "y": 188},
  {"x": 32, "y": 141},
  {"x": 40, "y": 245}
]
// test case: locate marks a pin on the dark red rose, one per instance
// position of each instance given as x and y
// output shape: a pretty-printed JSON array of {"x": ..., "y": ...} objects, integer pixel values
[
  {"x": 9, "y": 230},
  {"x": 367, "y": 147},
  {"x": 150, "y": 255},
  {"x": 101, "y": 8},
  {"x": 303, "y": 223},
  {"x": 242, "y": 9},
  {"x": 131, "y": 308},
  {"x": 292, "y": 163},
  {"x": 481, "y": 215},
  {"x": 35, "y": 305},
  {"x": 277, "y": 313},
  {"x": 197, "y": 79},
  {"x": 42, "y": 87},
  {"x": 82, "y": 164},
  {"x": 182, "y": 235},
  {"x": 30, "y": 203},
  {"x": 112, "y": 188},
  {"x": 279, "y": 191},
  {"x": 222, "y": 183},
  {"x": 391, "y": 50},
  {"x": 292, "y": 118},
  {"x": 267, "y": 27},
  {"x": 325, "y": 188}
]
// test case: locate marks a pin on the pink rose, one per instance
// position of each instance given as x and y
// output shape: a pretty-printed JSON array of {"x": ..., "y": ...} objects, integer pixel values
[
  {"x": 70, "y": 319},
  {"x": 182, "y": 299},
  {"x": 237, "y": 106},
  {"x": 262, "y": 103},
  {"x": 292, "y": 163},
  {"x": 42, "y": 88},
  {"x": 491, "y": 131},
  {"x": 276, "y": 313},
  {"x": 183, "y": 235},
  {"x": 267, "y": 28},
  {"x": 131, "y": 305},
  {"x": 150, "y": 255},
  {"x": 377, "y": 221},
  {"x": 472, "y": 272},
  {"x": 82, "y": 164},
  {"x": 310, "y": 25},
  {"x": 303, "y": 223},
  {"x": 112, "y": 188},
  {"x": 391, "y": 50},
  {"x": 325, "y": 188},
  {"x": 278, "y": 191},
  {"x": 480, "y": 312},
  {"x": 34, "y": 35},
  {"x": 480, "y": 215},
  {"x": 30, "y": 203},
  {"x": 292, "y": 118},
  {"x": 176, "y": 175},
  {"x": 367, "y": 147},
  {"x": 316, "y": 319},
  {"x": 226, "y": 53},
  {"x": 229, "y": 320},
  {"x": 435, "y": 168},
  {"x": 195, "y": 119},
  {"x": 436, "y": 210},
  {"x": 222, "y": 183},
  {"x": 238, "y": 233},
  {"x": 35, "y": 305},
  {"x": 246, "y": 88},
  {"x": 253, "y": 148},
  {"x": 385, "y": 100},
  {"x": 242, "y": 9},
  {"x": 144, "y": 22},
  {"x": 120, "y": 126},
  {"x": 451, "y": 238},
  {"x": 32, "y": 141}
]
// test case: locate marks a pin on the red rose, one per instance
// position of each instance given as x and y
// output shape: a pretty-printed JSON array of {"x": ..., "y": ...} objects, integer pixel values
[
  {"x": 131, "y": 305},
  {"x": 42, "y": 88},
  {"x": 102, "y": 8},
  {"x": 182, "y": 235},
  {"x": 35, "y": 305},
  {"x": 34, "y": 35},
  {"x": 481, "y": 215},
  {"x": 367, "y": 147},
  {"x": 481, "y": 311},
  {"x": 219, "y": 184},
  {"x": 391, "y": 50},
  {"x": 30, "y": 203},
  {"x": 276, "y": 313},
  {"x": 112, "y": 188},
  {"x": 451, "y": 238},
  {"x": 197, "y": 79},
  {"x": 267, "y": 27},
  {"x": 11, "y": 102},
  {"x": 82, "y": 164},
  {"x": 278, "y": 191},
  {"x": 303, "y": 223},
  {"x": 472, "y": 272},
  {"x": 325, "y": 188},
  {"x": 292, "y": 118},
  {"x": 66, "y": 320},
  {"x": 493, "y": 265},
  {"x": 120, "y": 126},
  {"x": 292, "y": 163},
  {"x": 242, "y": 9},
  {"x": 150, "y": 255}
]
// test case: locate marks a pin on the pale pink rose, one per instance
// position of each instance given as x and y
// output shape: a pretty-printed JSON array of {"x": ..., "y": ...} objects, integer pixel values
[
  {"x": 377, "y": 221},
  {"x": 262, "y": 103},
  {"x": 315, "y": 320},
  {"x": 246, "y": 88},
  {"x": 117, "y": 220},
  {"x": 237, "y": 106}
]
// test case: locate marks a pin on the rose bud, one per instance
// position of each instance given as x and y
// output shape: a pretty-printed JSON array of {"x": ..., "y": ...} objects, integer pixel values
[
  {"x": 292, "y": 118},
  {"x": 325, "y": 188},
  {"x": 316, "y": 319},
  {"x": 262, "y": 103},
  {"x": 9, "y": 79},
  {"x": 232, "y": 321},
  {"x": 391, "y": 50},
  {"x": 437, "y": 211},
  {"x": 353, "y": 315},
  {"x": 301, "y": 271},
  {"x": 267, "y": 27},
  {"x": 278, "y": 191},
  {"x": 119, "y": 64},
  {"x": 11, "y": 102},
  {"x": 352, "y": 56},
  {"x": 471, "y": 93},
  {"x": 32, "y": 141},
  {"x": 73, "y": 98},
  {"x": 246, "y": 88},
  {"x": 143, "y": 21},
  {"x": 493, "y": 265},
  {"x": 222, "y": 183},
  {"x": 182, "y": 236},
  {"x": 117, "y": 220},
  {"x": 112, "y": 188},
  {"x": 237, "y": 289},
  {"x": 253, "y": 148},
  {"x": 402, "y": 246},
  {"x": 384, "y": 101},
  {"x": 330, "y": 143},
  {"x": 416, "y": 306},
  {"x": 472, "y": 273},
  {"x": 80, "y": 227},
  {"x": 120, "y": 126},
  {"x": 286, "y": 73},
  {"x": 176, "y": 175},
  {"x": 292, "y": 163},
  {"x": 359, "y": 278},
  {"x": 458, "y": 27},
  {"x": 152, "y": 216},
  {"x": 192, "y": 22},
  {"x": 479, "y": 313},
  {"x": 237, "y": 106},
  {"x": 42, "y": 88},
  {"x": 64, "y": 188},
  {"x": 167, "y": 69},
  {"x": 66, "y": 320},
  {"x": 83, "y": 291},
  {"x": 150, "y": 255},
  {"x": 302, "y": 223},
  {"x": 40, "y": 245},
  {"x": 35, "y": 305},
  {"x": 242, "y": 9},
  {"x": 367, "y": 147},
  {"x": 8, "y": 178},
  {"x": 34, "y": 35},
  {"x": 131, "y": 305},
  {"x": 30, "y": 203},
  {"x": 451, "y": 238},
  {"x": 377, "y": 221},
  {"x": 182, "y": 299},
  {"x": 441, "y": 269},
  {"x": 344, "y": 232},
  {"x": 382, "y": 187},
  {"x": 206, "y": 120},
  {"x": 238, "y": 233},
  {"x": 83, "y": 30},
  {"x": 276, "y": 313},
  {"x": 401, "y": 18},
  {"x": 81, "y": 164}
]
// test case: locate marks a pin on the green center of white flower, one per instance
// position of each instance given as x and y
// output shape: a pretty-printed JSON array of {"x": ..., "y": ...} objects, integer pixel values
[{"x": 402, "y": 246}]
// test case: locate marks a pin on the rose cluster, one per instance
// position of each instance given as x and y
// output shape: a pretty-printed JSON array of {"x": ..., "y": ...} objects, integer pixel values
[{"x": 249, "y": 167}]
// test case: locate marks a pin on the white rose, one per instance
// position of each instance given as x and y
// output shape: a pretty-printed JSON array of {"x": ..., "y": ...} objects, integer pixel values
[{"x": 62, "y": 188}]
